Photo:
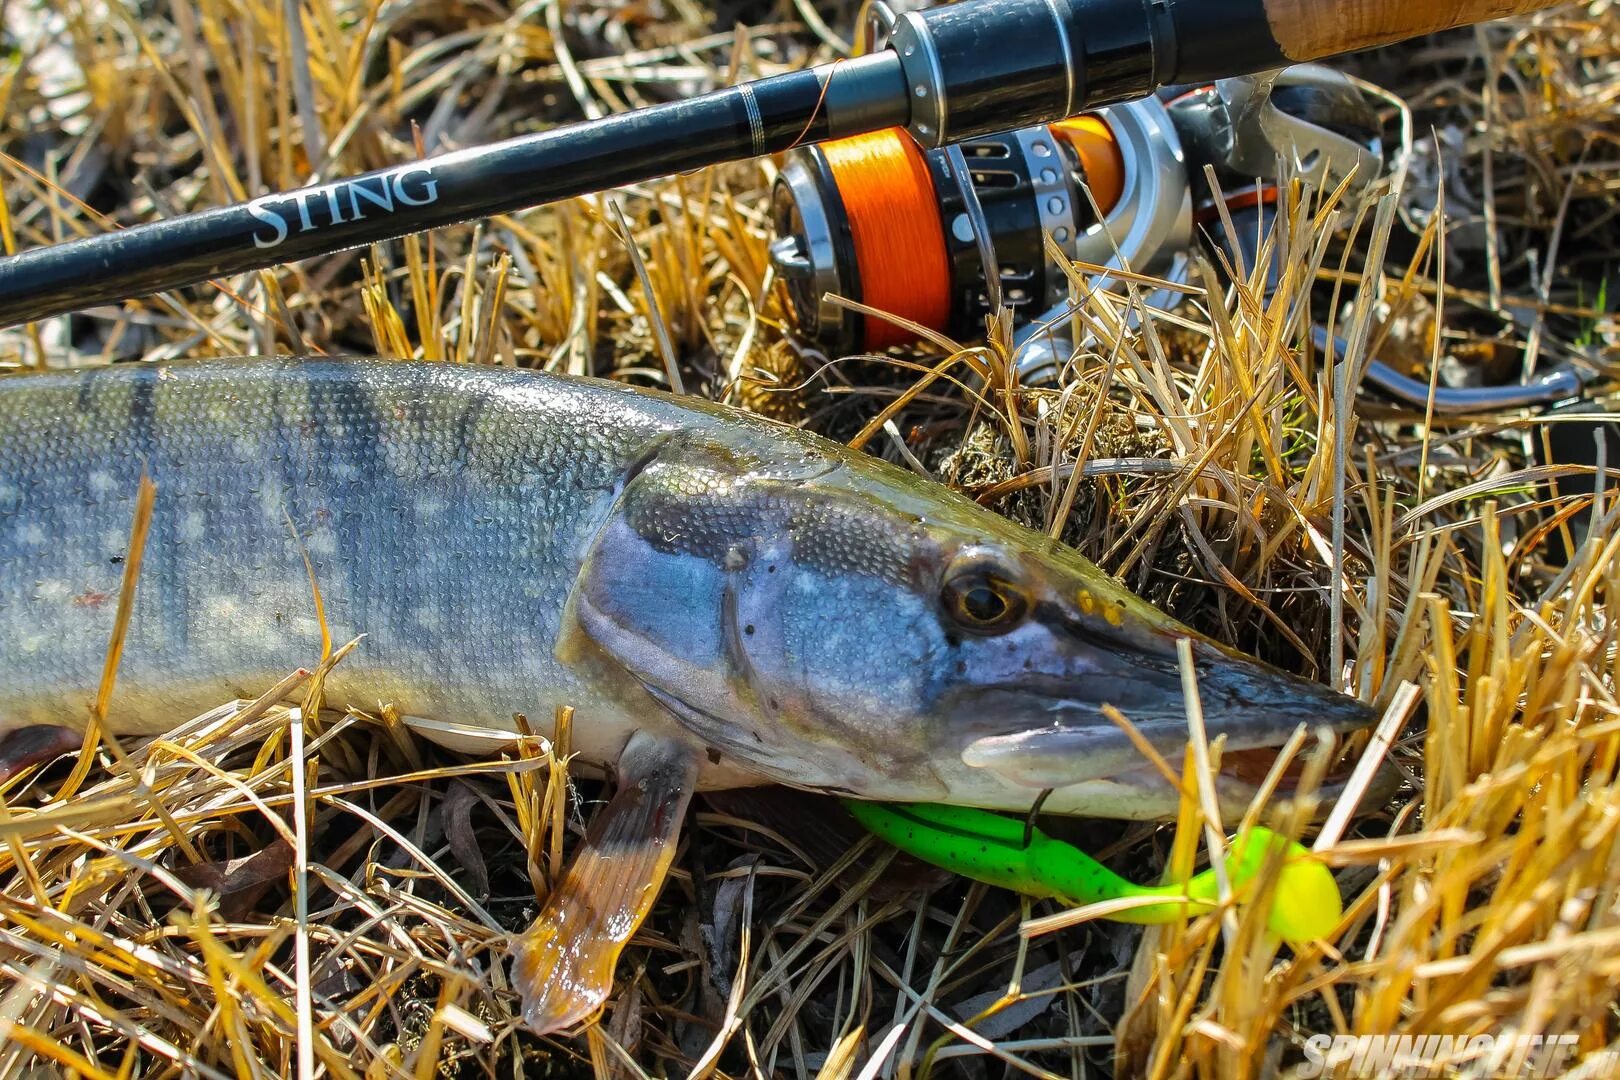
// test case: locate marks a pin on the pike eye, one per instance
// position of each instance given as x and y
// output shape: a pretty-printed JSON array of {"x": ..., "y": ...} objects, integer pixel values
[{"x": 982, "y": 601}]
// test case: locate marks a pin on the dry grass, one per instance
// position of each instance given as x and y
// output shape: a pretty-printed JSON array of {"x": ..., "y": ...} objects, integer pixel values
[{"x": 259, "y": 896}]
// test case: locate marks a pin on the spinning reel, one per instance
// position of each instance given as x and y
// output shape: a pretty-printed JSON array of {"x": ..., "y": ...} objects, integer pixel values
[{"x": 943, "y": 237}]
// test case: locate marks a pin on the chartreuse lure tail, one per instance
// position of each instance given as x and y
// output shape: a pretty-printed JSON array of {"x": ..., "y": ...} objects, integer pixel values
[{"x": 997, "y": 850}]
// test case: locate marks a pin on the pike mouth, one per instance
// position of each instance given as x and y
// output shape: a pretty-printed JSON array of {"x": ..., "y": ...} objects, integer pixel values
[{"x": 1055, "y": 733}]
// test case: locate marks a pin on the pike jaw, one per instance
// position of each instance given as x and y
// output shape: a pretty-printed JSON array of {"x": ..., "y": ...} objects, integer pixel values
[{"x": 836, "y": 624}]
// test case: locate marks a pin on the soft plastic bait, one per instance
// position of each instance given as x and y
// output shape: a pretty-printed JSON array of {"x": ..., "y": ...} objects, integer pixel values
[{"x": 1003, "y": 851}]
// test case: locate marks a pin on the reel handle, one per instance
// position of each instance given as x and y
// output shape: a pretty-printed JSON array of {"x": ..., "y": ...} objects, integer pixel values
[{"x": 1310, "y": 29}]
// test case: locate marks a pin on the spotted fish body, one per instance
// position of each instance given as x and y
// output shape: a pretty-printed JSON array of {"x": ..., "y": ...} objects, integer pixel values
[
  {"x": 444, "y": 511},
  {"x": 506, "y": 542}
]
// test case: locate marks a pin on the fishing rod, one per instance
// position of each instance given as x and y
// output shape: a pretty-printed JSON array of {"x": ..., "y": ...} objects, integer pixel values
[{"x": 943, "y": 74}]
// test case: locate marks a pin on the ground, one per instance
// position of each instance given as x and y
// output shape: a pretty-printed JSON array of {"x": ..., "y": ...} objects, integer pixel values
[{"x": 1453, "y": 572}]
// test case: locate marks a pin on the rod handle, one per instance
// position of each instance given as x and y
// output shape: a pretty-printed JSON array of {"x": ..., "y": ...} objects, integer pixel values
[{"x": 1309, "y": 29}]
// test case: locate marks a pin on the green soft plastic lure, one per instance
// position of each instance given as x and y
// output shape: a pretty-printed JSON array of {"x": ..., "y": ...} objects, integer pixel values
[{"x": 1003, "y": 851}]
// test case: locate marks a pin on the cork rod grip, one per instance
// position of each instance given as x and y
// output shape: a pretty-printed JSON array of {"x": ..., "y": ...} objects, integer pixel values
[{"x": 1308, "y": 29}]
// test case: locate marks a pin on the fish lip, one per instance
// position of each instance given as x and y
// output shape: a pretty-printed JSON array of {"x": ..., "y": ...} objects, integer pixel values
[
  {"x": 1243, "y": 772},
  {"x": 1234, "y": 794},
  {"x": 1228, "y": 786},
  {"x": 1249, "y": 721}
]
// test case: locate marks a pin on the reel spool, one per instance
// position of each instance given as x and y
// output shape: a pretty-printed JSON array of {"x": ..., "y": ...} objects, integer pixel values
[{"x": 879, "y": 220}]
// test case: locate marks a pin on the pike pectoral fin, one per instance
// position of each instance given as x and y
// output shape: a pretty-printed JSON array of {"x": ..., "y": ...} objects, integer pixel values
[
  {"x": 35, "y": 744},
  {"x": 564, "y": 963}
]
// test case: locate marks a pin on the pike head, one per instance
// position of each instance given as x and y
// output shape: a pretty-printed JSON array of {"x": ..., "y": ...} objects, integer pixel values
[{"x": 834, "y": 623}]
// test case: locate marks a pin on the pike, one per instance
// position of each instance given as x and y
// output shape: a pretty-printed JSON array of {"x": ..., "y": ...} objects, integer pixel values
[{"x": 724, "y": 600}]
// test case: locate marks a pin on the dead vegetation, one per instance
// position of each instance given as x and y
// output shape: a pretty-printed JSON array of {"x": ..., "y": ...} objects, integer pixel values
[{"x": 259, "y": 896}]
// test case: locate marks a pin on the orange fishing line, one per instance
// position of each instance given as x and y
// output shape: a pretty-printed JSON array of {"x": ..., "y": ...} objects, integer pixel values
[
  {"x": 1263, "y": 196},
  {"x": 894, "y": 224}
]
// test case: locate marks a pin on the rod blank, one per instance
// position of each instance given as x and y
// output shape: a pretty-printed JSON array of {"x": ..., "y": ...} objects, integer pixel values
[{"x": 749, "y": 120}]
